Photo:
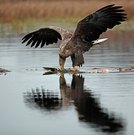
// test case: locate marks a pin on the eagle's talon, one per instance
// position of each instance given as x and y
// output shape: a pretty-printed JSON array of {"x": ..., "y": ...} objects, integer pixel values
[
  {"x": 75, "y": 69},
  {"x": 61, "y": 68}
]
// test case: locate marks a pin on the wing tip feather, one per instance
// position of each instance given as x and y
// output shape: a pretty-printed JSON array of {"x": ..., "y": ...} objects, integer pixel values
[{"x": 41, "y": 37}]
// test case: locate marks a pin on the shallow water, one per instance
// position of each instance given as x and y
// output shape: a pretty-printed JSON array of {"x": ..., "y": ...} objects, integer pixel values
[{"x": 32, "y": 103}]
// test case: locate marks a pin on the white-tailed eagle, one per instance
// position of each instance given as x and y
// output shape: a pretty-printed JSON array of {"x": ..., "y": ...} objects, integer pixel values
[{"x": 74, "y": 44}]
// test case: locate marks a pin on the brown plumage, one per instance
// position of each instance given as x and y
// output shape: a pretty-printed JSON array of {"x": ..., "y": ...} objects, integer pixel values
[{"x": 87, "y": 31}]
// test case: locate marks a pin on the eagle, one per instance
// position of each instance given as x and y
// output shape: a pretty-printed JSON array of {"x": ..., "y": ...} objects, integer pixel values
[{"x": 86, "y": 35}]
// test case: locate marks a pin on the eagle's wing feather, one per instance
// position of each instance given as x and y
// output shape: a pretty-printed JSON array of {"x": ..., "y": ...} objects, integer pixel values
[
  {"x": 43, "y": 36},
  {"x": 90, "y": 28}
]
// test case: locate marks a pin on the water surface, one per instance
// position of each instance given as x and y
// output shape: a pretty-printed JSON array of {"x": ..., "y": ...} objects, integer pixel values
[{"x": 32, "y": 103}]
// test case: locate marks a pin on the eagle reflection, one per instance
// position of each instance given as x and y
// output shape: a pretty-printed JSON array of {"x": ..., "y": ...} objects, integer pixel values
[{"x": 87, "y": 105}]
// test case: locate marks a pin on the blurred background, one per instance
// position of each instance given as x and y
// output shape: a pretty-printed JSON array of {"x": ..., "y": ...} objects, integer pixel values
[{"x": 20, "y": 16}]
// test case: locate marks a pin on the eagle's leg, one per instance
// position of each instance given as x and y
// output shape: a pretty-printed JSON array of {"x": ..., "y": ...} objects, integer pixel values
[
  {"x": 61, "y": 62},
  {"x": 74, "y": 67}
]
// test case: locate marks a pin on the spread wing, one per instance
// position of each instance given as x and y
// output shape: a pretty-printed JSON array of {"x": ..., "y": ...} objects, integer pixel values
[
  {"x": 90, "y": 28},
  {"x": 45, "y": 36},
  {"x": 41, "y": 37}
]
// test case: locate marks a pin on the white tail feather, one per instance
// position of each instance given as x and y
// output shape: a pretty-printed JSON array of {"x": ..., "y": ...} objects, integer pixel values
[{"x": 99, "y": 41}]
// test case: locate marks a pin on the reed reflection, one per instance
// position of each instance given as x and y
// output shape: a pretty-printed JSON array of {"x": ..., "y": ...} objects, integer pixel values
[{"x": 87, "y": 105}]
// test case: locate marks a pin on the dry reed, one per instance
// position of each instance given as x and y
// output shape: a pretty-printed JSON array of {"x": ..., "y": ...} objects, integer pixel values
[{"x": 24, "y": 9}]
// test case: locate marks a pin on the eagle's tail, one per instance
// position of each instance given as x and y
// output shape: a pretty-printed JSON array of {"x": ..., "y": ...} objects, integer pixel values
[{"x": 98, "y": 41}]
